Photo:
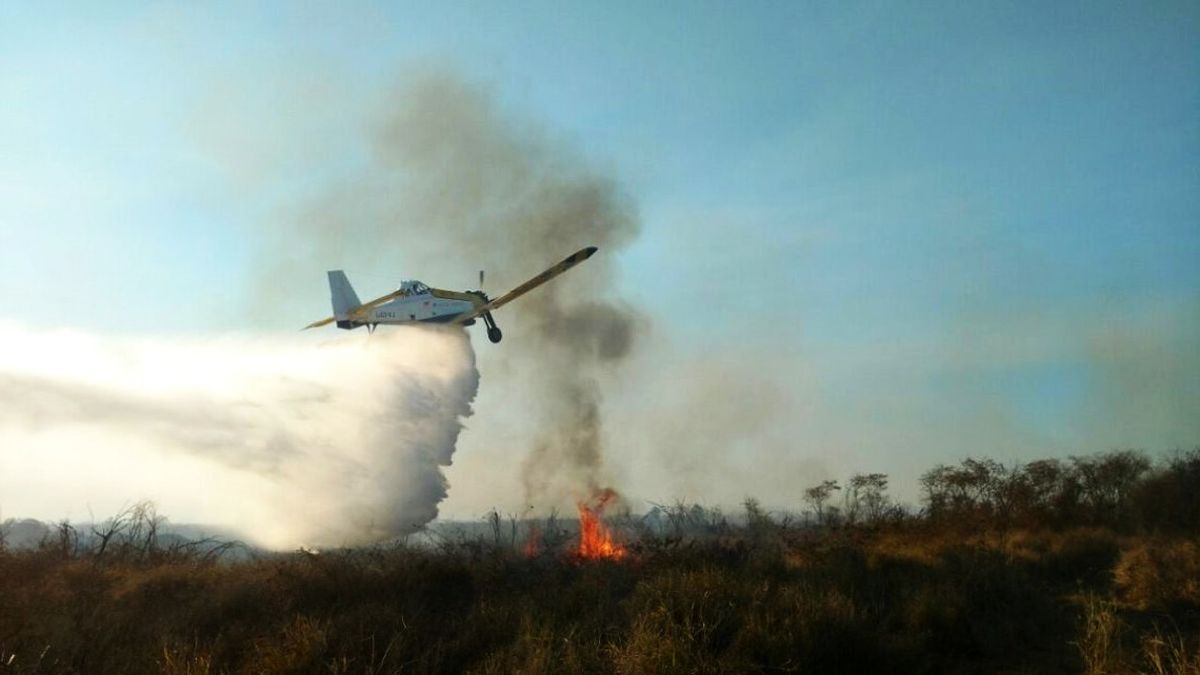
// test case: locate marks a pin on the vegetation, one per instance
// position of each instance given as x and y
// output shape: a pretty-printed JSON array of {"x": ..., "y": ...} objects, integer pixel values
[{"x": 1089, "y": 565}]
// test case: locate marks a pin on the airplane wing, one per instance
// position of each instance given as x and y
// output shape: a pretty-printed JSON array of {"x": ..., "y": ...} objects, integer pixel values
[
  {"x": 569, "y": 262},
  {"x": 358, "y": 313}
]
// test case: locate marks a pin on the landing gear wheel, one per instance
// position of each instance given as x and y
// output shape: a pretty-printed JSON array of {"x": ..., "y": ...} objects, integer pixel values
[{"x": 493, "y": 330}]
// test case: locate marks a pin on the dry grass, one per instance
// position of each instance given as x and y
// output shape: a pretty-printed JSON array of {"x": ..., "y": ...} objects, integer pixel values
[
  {"x": 1159, "y": 574},
  {"x": 1166, "y": 652},
  {"x": 783, "y": 600},
  {"x": 1100, "y": 638},
  {"x": 1109, "y": 645}
]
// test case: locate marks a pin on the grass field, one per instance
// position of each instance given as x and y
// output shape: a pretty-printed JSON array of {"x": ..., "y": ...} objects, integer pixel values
[{"x": 702, "y": 593}]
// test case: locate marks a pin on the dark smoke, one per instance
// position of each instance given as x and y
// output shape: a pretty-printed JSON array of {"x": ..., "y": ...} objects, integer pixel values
[{"x": 453, "y": 178}]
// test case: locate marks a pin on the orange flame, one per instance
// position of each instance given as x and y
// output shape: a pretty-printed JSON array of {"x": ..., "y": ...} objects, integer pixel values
[{"x": 595, "y": 540}]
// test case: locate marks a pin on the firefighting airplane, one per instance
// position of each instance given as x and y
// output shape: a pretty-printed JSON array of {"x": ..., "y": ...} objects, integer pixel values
[{"x": 414, "y": 302}]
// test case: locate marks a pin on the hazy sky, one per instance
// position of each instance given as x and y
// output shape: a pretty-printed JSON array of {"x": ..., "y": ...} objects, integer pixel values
[{"x": 908, "y": 232}]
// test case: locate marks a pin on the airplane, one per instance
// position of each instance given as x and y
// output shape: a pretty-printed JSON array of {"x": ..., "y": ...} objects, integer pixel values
[{"x": 414, "y": 302}]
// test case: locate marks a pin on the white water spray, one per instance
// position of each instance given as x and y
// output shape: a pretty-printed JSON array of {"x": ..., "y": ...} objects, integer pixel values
[{"x": 286, "y": 440}]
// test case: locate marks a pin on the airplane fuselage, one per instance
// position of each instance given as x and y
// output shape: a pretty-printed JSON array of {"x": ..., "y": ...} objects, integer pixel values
[{"x": 430, "y": 306}]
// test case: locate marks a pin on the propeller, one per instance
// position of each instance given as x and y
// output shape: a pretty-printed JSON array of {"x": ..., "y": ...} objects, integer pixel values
[{"x": 481, "y": 280}]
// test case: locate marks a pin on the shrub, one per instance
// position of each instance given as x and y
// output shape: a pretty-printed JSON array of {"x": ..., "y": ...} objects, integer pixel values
[{"x": 1160, "y": 574}]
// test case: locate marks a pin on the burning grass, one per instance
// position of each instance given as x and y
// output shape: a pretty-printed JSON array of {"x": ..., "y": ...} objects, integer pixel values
[{"x": 596, "y": 540}]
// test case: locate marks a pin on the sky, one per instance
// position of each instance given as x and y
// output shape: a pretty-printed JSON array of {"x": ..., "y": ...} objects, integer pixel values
[{"x": 874, "y": 236}]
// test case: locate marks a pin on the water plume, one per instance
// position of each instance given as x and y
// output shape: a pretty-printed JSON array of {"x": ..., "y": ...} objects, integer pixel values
[{"x": 285, "y": 439}]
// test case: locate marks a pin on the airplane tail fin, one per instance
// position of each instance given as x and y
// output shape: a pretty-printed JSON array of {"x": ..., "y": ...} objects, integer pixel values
[{"x": 342, "y": 293}]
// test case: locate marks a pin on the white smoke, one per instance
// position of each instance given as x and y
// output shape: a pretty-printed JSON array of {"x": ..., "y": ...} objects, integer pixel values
[{"x": 287, "y": 439}]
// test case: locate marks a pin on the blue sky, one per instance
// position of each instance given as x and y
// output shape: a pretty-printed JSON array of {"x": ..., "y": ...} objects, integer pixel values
[{"x": 937, "y": 215}]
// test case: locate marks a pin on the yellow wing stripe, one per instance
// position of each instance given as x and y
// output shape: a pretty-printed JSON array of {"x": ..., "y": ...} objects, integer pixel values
[
  {"x": 567, "y": 263},
  {"x": 322, "y": 322},
  {"x": 358, "y": 313}
]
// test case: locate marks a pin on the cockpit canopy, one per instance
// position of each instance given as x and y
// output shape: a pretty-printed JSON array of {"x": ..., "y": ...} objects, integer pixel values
[{"x": 414, "y": 287}]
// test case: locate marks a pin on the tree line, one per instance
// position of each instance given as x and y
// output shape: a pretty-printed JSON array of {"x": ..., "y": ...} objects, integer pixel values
[{"x": 1122, "y": 489}]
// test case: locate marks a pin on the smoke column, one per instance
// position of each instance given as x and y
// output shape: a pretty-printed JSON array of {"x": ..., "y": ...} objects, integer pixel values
[
  {"x": 453, "y": 179},
  {"x": 288, "y": 442}
]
